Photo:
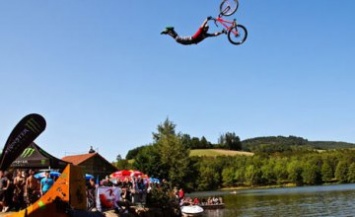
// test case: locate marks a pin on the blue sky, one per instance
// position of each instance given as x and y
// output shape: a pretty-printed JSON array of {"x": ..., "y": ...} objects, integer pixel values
[{"x": 102, "y": 75}]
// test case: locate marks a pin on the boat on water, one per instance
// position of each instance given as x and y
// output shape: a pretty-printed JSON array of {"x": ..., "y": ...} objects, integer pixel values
[
  {"x": 191, "y": 210},
  {"x": 212, "y": 206}
]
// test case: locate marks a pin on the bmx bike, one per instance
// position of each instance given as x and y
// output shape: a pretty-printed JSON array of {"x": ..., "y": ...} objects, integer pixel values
[{"x": 237, "y": 33}]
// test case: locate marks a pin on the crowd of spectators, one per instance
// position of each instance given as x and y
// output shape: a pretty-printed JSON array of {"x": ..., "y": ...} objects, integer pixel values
[
  {"x": 133, "y": 189},
  {"x": 20, "y": 189}
]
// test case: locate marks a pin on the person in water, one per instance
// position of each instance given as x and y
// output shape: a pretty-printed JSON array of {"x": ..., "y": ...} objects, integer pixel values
[{"x": 200, "y": 35}]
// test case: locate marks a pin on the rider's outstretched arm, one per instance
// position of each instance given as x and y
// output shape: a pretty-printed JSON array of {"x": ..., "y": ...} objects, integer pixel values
[
  {"x": 214, "y": 34},
  {"x": 205, "y": 21}
]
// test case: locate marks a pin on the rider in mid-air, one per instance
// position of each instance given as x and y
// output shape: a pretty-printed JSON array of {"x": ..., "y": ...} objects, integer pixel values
[{"x": 200, "y": 35}]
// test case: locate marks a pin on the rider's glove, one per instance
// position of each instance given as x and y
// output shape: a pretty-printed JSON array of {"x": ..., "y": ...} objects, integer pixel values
[{"x": 209, "y": 18}]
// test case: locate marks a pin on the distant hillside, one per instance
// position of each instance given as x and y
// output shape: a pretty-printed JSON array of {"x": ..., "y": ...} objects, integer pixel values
[
  {"x": 217, "y": 152},
  {"x": 331, "y": 145},
  {"x": 267, "y": 145},
  {"x": 282, "y": 142}
]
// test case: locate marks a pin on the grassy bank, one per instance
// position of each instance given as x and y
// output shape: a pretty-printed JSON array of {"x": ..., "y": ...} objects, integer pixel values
[{"x": 218, "y": 152}]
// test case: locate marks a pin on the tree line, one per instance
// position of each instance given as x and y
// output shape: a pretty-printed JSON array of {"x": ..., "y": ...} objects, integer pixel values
[
  {"x": 277, "y": 161},
  {"x": 228, "y": 141}
]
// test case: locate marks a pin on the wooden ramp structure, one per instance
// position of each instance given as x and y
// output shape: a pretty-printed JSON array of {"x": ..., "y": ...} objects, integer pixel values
[{"x": 68, "y": 189}]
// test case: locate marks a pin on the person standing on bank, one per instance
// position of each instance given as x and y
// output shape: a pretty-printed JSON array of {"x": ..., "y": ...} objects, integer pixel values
[{"x": 46, "y": 183}]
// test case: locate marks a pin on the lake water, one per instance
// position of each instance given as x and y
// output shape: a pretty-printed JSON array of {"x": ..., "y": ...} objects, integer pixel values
[{"x": 315, "y": 201}]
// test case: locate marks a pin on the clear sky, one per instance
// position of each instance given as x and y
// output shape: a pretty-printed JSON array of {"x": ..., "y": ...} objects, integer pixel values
[{"x": 102, "y": 75}]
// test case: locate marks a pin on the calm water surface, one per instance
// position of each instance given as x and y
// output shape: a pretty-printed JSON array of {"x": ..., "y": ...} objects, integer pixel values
[{"x": 320, "y": 201}]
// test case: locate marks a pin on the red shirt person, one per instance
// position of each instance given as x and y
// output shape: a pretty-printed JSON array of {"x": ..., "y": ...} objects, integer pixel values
[
  {"x": 181, "y": 194},
  {"x": 199, "y": 36}
]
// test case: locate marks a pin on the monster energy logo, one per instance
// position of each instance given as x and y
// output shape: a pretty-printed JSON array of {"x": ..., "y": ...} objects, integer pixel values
[
  {"x": 33, "y": 126},
  {"x": 27, "y": 152}
]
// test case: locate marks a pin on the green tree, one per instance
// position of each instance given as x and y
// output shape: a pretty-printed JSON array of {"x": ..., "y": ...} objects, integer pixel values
[
  {"x": 133, "y": 153},
  {"x": 165, "y": 129},
  {"x": 268, "y": 172},
  {"x": 252, "y": 175},
  {"x": 294, "y": 170},
  {"x": 239, "y": 176},
  {"x": 123, "y": 164},
  {"x": 280, "y": 170},
  {"x": 228, "y": 176},
  {"x": 195, "y": 143},
  {"x": 351, "y": 173},
  {"x": 311, "y": 174},
  {"x": 174, "y": 156},
  {"x": 230, "y": 141},
  {"x": 148, "y": 160},
  {"x": 204, "y": 143},
  {"x": 186, "y": 140},
  {"x": 341, "y": 172},
  {"x": 209, "y": 175},
  {"x": 327, "y": 172}
]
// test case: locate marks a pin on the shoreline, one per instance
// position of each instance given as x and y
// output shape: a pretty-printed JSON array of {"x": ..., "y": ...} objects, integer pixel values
[{"x": 241, "y": 188}]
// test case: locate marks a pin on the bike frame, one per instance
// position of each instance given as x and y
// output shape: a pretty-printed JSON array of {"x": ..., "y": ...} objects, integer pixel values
[{"x": 228, "y": 25}]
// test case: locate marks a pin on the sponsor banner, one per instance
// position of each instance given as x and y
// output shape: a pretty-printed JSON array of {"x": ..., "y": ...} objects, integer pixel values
[
  {"x": 107, "y": 197},
  {"x": 25, "y": 132}
]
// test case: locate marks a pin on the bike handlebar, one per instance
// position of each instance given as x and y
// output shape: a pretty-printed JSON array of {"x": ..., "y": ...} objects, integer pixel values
[{"x": 215, "y": 21}]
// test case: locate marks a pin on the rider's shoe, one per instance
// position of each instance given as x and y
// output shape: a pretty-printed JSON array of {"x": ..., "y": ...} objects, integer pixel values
[{"x": 167, "y": 30}]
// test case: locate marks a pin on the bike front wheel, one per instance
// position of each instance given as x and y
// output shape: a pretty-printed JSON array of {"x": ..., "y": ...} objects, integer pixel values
[
  {"x": 228, "y": 7},
  {"x": 237, "y": 35}
]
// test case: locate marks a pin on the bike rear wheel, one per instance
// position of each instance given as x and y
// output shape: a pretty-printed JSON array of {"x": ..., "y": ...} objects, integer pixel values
[
  {"x": 228, "y": 7},
  {"x": 237, "y": 35}
]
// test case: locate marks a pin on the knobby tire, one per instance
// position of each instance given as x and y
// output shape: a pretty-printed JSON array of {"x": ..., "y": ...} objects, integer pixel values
[
  {"x": 243, "y": 34},
  {"x": 233, "y": 4}
]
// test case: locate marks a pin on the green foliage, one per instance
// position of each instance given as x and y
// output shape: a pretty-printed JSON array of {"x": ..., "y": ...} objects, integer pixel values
[
  {"x": 294, "y": 170},
  {"x": 228, "y": 176},
  {"x": 174, "y": 156},
  {"x": 123, "y": 164},
  {"x": 166, "y": 158},
  {"x": 277, "y": 160},
  {"x": 159, "y": 197},
  {"x": 268, "y": 172},
  {"x": 272, "y": 144},
  {"x": 194, "y": 142},
  {"x": 148, "y": 160},
  {"x": 210, "y": 177},
  {"x": 230, "y": 141},
  {"x": 167, "y": 128},
  {"x": 280, "y": 170},
  {"x": 252, "y": 175},
  {"x": 341, "y": 172},
  {"x": 239, "y": 176},
  {"x": 252, "y": 144},
  {"x": 327, "y": 172},
  {"x": 133, "y": 153},
  {"x": 351, "y": 173},
  {"x": 311, "y": 174}
]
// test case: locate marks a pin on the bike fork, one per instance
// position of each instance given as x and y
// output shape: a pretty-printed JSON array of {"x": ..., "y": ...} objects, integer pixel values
[{"x": 234, "y": 28}]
